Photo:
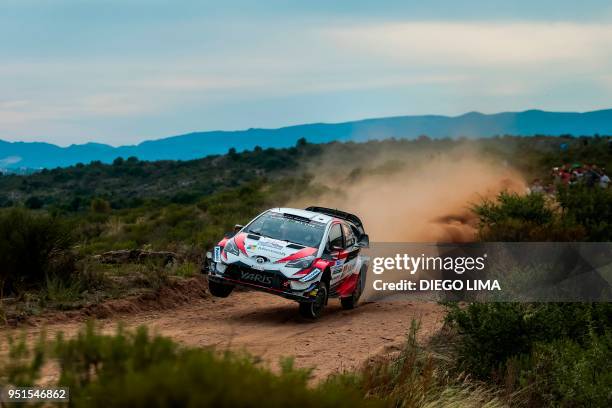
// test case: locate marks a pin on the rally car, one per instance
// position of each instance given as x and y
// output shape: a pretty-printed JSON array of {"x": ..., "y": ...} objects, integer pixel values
[{"x": 305, "y": 255}]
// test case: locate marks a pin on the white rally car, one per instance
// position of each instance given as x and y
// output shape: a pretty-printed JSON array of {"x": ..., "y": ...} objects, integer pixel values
[{"x": 305, "y": 255}]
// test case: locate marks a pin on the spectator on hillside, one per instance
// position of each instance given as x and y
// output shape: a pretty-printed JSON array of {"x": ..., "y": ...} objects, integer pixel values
[
  {"x": 565, "y": 176},
  {"x": 536, "y": 187},
  {"x": 556, "y": 175},
  {"x": 604, "y": 180},
  {"x": 590, "y": 176}
]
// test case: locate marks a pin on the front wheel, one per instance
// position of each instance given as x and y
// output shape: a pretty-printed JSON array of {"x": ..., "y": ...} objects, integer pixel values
[
  {"x": 219, "y": 289},
  {"x": 313, "y": 310}
]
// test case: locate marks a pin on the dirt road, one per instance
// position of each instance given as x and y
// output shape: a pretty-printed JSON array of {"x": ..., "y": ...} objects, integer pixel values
[{"x": 270, "y": 327}]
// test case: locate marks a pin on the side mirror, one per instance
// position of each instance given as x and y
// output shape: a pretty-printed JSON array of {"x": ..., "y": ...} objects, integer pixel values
[
  {"x": 238, "y": 227},
  {"x": 364, "y": 241}
]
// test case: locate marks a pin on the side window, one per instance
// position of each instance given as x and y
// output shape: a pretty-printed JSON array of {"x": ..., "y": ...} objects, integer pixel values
[
  {"x": 349, "y": 237},
  {"x": 335, "y": 236}
]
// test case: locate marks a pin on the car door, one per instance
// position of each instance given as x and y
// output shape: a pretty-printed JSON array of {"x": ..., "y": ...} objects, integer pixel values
[
  {"x": 335, "y": 247},
  {"x": 351, "y": 251}
]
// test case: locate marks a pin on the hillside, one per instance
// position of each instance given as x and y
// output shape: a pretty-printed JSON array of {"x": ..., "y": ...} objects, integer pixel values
[
  {"x": 200, "y": 144},
  {"x": 130, "y": 183}
]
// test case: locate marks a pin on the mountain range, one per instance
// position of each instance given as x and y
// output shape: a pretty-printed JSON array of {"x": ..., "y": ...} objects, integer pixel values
[{"x": 35, "y": 155}]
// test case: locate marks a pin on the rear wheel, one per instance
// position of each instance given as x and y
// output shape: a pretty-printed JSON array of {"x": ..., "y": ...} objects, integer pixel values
[
  {"x": 313, "y": 310},
  {"x": 352, "y": 301},
  {"x": 219, "y": 289}
]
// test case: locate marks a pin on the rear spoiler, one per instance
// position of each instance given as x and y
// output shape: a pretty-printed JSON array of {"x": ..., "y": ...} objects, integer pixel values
[{"x": 340, "y": 214}]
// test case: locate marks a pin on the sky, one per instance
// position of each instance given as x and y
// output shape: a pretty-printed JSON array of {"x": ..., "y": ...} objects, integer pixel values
[{"x": 123, "y": 71}]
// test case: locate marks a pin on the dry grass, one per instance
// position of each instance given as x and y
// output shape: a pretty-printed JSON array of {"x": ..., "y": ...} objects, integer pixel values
[{"x": 418, "y": 378}]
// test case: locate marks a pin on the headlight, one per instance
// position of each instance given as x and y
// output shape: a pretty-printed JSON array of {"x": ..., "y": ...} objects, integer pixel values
[
  {"x": 230, "y": 247},
  {"x": 301, "y": 263},
  {"x": 313, "y": 274}
]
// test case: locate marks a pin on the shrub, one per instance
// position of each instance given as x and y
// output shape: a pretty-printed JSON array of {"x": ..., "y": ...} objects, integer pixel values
[
  {"x": 185, "y": 269},
  {"x": 34, "y": 203},
  {"x": 565, "y": 373},
  {"x": 589, "y": 207},
  {"x": 99, "y": 205},
  {"x": 62, "y": 292},
  {"x": 537, "y": 346},
  {"x": 491, "y": 333},
  {"x": 33, "y": 248},
  {"x": 134, "y": 369},
  {"x": 516, "y": 218},
  {"x": 421, "y": 378}
]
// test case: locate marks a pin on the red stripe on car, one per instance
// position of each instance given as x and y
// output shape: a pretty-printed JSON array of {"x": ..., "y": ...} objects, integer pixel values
[
  {"x": 347, "y": 286},
  {"x": 239, "y": 240},
  {"x": 299, "y": 254},
  {"x": 303, "y": 272}
]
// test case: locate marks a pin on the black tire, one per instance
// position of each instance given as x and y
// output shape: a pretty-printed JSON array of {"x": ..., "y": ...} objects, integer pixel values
[
  {"x": 313, "y": 310},
  {"x": 219, "y": 289},
  {"x": 352, "y": 301}
]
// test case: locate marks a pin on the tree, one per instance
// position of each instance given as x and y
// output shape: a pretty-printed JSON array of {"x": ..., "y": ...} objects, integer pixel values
[
  {"x": 100, "y": 205},
  {"x": 34, "y": 203}
]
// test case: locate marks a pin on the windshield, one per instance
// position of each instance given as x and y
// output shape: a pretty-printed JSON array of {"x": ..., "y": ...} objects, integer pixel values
[{"x": 286, "y": 228}]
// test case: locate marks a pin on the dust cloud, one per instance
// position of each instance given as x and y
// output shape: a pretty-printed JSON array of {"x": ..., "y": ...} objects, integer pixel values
[{"x": 415, "y": 198}]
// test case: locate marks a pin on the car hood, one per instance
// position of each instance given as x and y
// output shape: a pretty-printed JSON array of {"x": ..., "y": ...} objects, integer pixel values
[{"x": 273, "y": 250}]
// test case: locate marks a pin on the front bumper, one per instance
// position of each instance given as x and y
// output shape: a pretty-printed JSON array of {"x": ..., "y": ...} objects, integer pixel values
[{"x": 275, "y": 282}]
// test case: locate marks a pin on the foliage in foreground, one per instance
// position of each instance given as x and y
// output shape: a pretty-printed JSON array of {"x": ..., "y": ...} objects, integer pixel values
[
  {"x": 421, "y": 378},
  {"x": 561, "y": 353},
  {"x": 136, "y": 369}
]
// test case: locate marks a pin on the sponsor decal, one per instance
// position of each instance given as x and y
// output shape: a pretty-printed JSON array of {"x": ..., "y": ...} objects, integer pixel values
[
  {"x": 255, "y": 277},
  {"x": 270, "y": 245},
  {"x": 337, "y": 268},
  {"x": 217, "y": 254},
  {"x": 251, "y": 247}
]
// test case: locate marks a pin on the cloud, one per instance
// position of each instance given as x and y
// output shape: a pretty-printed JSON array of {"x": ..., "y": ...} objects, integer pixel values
[
  {"x": 290, "y": 71},
  {"x": 480, "y": 44}
]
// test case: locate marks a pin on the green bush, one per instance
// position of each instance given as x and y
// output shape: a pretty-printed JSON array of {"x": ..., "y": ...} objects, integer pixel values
[
  {"x": 99, "y": 205},
  {"x": 578, "y": 213},
  {"x": 536, "y": 346},
  {"x": 134, "y": 369},
  {"x": 565, "y": 373},
  {"x": 491, "y": 333},
  {"x": 33, "y": 248},
  {"x": 590, "y": 207},
  {"x": 518, "y": 218}
]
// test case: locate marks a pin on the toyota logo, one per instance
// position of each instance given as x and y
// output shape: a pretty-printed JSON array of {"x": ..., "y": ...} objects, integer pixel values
[{"x": 260, "y": 259}]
